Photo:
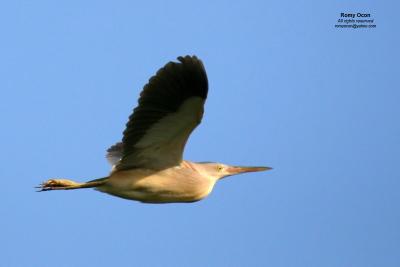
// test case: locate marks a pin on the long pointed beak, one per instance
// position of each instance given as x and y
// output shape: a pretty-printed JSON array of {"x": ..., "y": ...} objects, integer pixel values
[{"x": 241, "y": 169}]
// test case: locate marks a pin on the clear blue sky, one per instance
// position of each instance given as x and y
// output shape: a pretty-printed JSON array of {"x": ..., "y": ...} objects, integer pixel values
[{"x": 287, "y": 90}]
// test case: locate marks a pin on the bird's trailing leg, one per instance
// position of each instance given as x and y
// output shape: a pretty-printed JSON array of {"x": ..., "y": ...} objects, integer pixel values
[{"x": 65, "y": 184}]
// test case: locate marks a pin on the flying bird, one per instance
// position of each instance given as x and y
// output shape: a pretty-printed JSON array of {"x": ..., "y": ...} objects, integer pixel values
[{"x": 147, "y": 165}]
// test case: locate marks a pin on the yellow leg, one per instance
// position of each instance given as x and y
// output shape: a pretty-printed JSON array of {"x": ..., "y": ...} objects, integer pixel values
[{"x": 64, "y": 184}]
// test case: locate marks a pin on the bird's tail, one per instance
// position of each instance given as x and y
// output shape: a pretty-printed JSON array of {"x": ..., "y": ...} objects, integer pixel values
[{"x": 65, "y": 184}]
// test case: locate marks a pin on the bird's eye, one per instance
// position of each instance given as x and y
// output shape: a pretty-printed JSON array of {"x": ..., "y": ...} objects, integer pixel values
[{"x": 220, "y": 168}]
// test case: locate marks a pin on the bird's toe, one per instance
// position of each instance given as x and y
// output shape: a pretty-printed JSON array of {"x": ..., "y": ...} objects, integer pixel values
[{"x": 53, "y": 184}]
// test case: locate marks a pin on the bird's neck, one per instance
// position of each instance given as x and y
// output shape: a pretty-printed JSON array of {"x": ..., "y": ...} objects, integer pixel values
[{"x": 188, "y": 164}]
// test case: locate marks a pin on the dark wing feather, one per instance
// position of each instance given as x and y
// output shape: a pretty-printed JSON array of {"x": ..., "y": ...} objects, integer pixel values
[{"x": 170, "y": 107}]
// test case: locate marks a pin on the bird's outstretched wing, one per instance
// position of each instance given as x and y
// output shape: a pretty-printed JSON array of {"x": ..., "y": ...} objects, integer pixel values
[{"x": 170, "y": 107}]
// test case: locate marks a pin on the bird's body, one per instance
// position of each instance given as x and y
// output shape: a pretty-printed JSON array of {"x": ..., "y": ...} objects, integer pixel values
[
  {"x": 181, "y": 183},
  {"x": 147, "y": 165}
]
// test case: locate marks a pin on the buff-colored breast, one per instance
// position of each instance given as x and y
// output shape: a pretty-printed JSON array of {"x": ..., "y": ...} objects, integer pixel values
[{"x": 175, "y": 184}]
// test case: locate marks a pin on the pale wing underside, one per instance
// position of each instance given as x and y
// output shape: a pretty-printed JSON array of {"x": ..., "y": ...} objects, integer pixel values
[
  {"x": 170, "y": 107},
  {"x": 164, "y": 142}
]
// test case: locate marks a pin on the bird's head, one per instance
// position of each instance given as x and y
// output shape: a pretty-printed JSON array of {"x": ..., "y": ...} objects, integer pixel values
[{"x": 219, "y": 170}]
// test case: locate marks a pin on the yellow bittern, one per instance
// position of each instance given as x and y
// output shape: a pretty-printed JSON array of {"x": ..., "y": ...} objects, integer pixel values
[{"x": 147, "y": 165}]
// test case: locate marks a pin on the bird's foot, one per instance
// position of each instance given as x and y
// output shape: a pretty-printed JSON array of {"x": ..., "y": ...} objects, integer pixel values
[{"x": 57, "y": 184}]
